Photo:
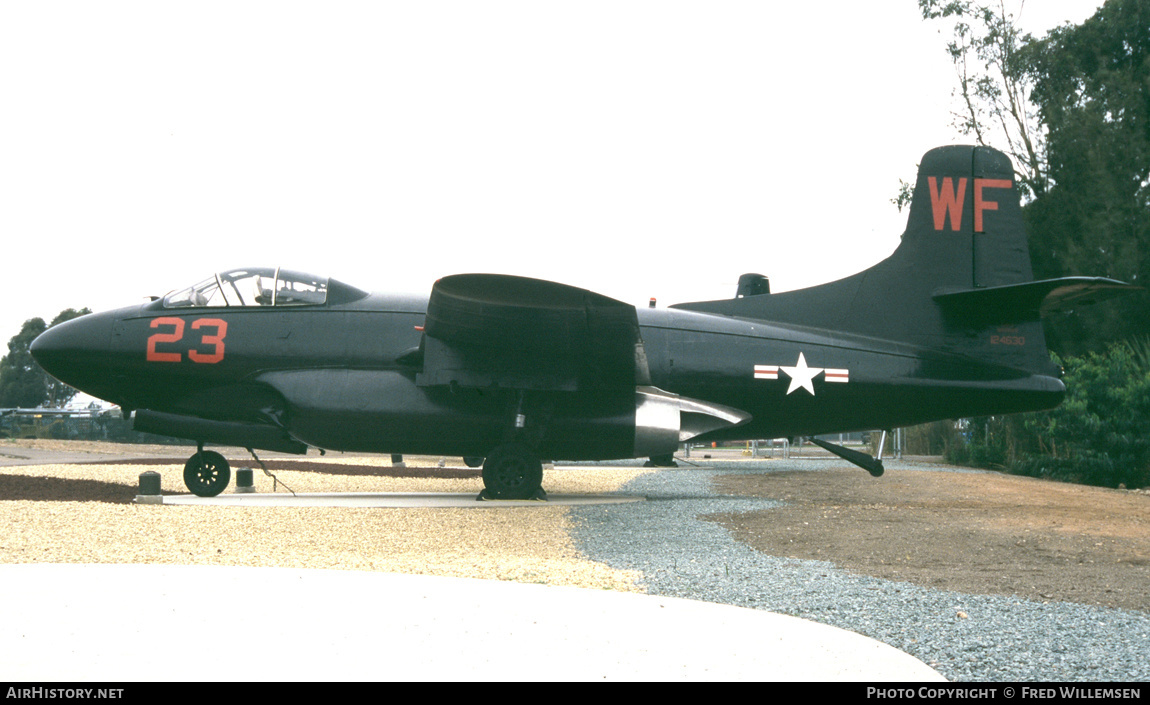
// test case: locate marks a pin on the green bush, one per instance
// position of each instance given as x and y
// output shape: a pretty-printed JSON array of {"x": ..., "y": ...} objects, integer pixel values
[{"x": 1101, "y": 433}]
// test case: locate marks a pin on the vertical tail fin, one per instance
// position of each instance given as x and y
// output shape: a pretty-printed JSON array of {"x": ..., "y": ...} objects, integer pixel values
[{"x": 959, "y": 281}]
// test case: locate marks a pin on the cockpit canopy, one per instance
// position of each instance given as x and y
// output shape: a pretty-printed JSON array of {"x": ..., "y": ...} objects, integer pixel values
[{"x": 259, "y": 286}]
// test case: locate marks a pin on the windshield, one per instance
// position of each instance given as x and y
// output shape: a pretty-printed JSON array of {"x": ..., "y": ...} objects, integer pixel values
[{"x": 254, "y": 286}]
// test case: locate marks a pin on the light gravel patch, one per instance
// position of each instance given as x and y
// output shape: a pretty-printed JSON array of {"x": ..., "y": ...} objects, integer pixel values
[{"x": 83, "y": 514}]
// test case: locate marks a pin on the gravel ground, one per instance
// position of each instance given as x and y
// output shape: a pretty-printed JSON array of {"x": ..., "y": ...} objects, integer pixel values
[{"x": 965, "y": 637}]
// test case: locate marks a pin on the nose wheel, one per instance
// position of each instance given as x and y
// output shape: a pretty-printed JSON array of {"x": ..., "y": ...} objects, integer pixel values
[
  {"x": 207, "y": 474},
  {"x": 512, "y": 471}
]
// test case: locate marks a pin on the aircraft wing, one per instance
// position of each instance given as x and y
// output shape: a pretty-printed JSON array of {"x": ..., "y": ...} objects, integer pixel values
[{"x": 487, "y": 330}]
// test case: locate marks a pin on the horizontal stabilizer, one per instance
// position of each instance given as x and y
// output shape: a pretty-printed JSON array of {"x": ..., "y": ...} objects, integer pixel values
[{"x": 1012, "y": 303}]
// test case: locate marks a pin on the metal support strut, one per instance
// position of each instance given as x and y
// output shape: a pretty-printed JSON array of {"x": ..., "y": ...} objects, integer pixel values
[
  {"x": 275, "y": 480},
  {"x": 864, "y": 461}
]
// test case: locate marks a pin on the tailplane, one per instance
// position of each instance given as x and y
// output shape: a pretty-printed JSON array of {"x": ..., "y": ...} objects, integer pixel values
[{"x": 959, "y": 281}]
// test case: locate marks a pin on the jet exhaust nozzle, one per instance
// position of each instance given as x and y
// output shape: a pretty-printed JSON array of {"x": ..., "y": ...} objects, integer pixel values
[{"x": 664, "y": 420}]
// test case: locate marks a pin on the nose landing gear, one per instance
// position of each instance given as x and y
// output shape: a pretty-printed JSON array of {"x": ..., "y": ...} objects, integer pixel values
[{"x": 207, "y": 473}]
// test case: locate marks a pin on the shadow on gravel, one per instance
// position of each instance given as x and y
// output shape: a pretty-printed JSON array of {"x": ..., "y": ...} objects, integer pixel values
[
  {"x": 56, "y": 489},
  {"x": 323, "y": 468}
]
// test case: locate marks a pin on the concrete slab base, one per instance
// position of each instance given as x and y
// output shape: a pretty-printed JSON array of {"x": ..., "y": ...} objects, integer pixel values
[{"x": 195, "y": 623}]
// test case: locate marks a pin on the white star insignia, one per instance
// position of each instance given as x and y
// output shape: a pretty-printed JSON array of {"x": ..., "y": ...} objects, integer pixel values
[{"x": 801, "y": 375}]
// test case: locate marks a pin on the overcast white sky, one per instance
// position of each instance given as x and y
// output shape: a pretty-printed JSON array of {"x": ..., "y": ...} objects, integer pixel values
[{"x": 638, "y": 149}]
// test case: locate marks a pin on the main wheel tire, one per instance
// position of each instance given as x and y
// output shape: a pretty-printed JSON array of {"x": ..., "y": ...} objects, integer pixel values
[
  {"x": 207, "y": 474},
  {"x": 512, "y": 471}
]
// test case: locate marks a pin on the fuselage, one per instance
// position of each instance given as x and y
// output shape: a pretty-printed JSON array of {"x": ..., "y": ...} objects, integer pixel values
[{"x": 361, "y": 358}]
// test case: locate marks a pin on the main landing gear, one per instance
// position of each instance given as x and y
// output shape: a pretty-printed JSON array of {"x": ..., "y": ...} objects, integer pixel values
[{"x": 512, "y": 471}]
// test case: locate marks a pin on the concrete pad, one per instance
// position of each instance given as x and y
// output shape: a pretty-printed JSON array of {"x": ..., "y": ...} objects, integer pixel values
[
  {"x": 191, "y": 623},
  {"x": 379, "y": 499}
]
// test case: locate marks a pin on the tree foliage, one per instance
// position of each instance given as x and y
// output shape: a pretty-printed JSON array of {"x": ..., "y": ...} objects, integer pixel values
[
  {"x": 23, "y": 383},
  {"x": 1092, "y": 86},
  {"x": 995, "y": 81},
  {"x": 20, "y": 383},
  {"x": 1101, "y": 434}
]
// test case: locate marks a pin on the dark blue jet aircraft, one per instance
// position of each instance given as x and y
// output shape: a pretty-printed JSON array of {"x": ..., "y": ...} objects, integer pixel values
[{"x": 513, "y": 370}]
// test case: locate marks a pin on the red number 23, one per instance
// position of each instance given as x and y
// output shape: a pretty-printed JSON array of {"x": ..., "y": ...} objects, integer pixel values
[{"x": 177, "y": 334}]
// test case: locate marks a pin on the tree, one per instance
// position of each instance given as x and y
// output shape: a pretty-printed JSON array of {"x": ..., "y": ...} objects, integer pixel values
[
  {"x": 23, "y": 383},
  {"x": 1101, "y": 434},
  {"x": 1092, "y": 88},
  {"x": 995, "y": 81},
  {"x": 20, "y": 381}
]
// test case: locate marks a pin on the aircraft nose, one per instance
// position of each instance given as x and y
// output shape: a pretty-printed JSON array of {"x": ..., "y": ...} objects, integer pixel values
[{"x": 75, "y": 351}]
